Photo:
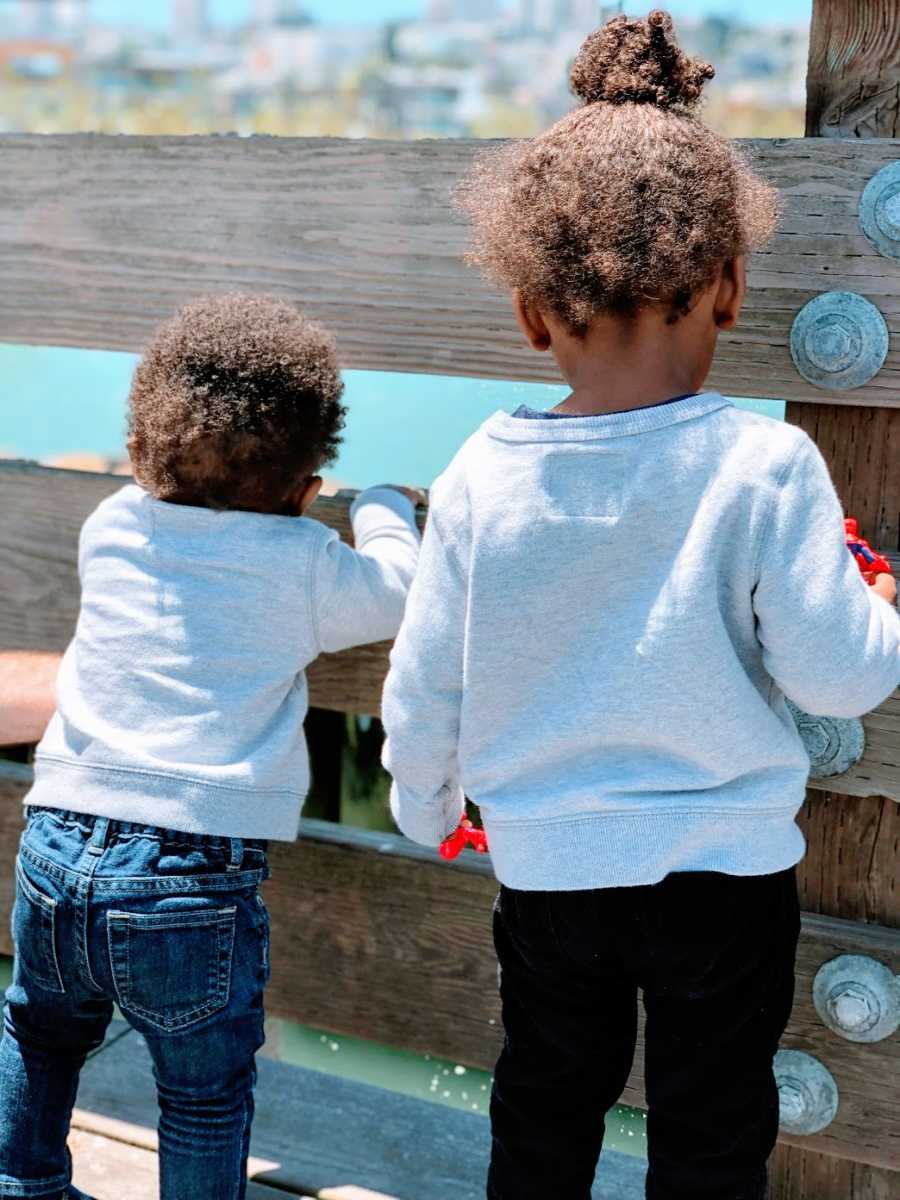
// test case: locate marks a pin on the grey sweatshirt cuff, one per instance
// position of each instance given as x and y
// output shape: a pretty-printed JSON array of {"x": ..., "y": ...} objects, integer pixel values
[
  {"x": 364, "y": 510},
  {"x": 430, "y": 822}
]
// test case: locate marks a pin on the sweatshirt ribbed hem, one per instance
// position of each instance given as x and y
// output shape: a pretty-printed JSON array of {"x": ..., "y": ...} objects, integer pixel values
[
  {"x": 631, "y": 849},
  {"x": 165, "y": 801}
]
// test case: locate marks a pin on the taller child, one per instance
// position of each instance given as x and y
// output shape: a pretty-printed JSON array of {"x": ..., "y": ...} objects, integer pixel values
[{"x": 613, "y": 601}]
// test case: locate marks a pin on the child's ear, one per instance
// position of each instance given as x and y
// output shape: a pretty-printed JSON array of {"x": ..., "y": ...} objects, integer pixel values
[
  {"x": 731, "y": 292},
  {"x": 302, "y": 497},
  {"x": 310, "y": 492},
  {"x": 531, "y": 322}
]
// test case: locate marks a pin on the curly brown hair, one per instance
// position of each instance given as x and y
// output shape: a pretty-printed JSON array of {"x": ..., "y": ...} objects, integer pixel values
[
  {"x": 627, "y": 202},
  {"x": 235, "y": 403}
]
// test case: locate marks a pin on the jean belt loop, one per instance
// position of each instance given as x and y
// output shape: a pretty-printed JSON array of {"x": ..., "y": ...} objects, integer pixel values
[
  {"x": 99, "y": 837},
  {"x": 237, "y": 854}
]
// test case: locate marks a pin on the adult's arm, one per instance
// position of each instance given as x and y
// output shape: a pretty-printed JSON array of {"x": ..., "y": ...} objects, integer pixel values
[{"x": 27, "y": 695}]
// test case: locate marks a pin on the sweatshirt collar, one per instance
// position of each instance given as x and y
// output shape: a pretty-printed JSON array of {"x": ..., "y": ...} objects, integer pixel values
[{"x": 507, "y": 428}]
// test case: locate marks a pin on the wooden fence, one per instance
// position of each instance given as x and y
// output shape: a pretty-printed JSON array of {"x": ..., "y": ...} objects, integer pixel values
[
  {"x": 376, "y": 937},
  {"x": 45, "y": 508},
  {"x": 101, "y": 237}
]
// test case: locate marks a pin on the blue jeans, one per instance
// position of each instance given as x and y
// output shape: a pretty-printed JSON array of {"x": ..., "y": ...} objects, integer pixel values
[{"x": 170, "y": 926}]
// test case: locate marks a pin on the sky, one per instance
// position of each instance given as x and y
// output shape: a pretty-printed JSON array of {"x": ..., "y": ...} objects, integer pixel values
[{"x": 156, "y": 12}]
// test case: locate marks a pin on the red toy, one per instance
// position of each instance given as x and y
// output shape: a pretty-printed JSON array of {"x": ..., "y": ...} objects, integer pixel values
[
  {"x": 465, "y": 835},
  {"x": 869, "y": 563}
]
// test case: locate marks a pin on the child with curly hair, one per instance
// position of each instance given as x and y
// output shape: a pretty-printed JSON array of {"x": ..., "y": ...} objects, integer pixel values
[
  {"x": 613, "y": 601},
  {"x": 177, "y": 750}
]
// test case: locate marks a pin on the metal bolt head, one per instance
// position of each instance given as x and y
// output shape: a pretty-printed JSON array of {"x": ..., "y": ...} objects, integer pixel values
[
  {"x": 792, "y": 1104},
  {"x": 890, "y": 214},
  {"x": 834, "y": 744},
  {"x": 807, "y": 1093},
  {"x": 879, "y": 210},
  {"x": 839, "y": 341},
  {"x": 858, "y": 997},
  {"x": 852, "y": 1009}
]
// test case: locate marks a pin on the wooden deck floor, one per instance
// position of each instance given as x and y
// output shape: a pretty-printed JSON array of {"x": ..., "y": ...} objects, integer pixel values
[
  {"x": 104, "y": 1165},
  {"x": 107, "y": 1167},
  {"x": 315, "y": 1137}
]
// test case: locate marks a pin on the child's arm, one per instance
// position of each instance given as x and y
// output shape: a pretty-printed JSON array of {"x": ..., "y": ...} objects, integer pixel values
[
  {"x": 423, "y": 693},
  {"x": 359, "y": 594},
  {"x": 830, "y": 642}
]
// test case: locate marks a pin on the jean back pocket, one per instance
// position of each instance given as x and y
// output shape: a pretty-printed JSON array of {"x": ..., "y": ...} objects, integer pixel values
[
  {"x": 34, "y": 934},
  {"x": 172, "y": 968}
]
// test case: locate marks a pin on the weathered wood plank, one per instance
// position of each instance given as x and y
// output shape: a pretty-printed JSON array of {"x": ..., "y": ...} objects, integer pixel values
[
  {"x": 350, "y": 1193},
  {"x": 868, "y": 1077},
  {"x": 107, "y": 1169},
  {"x": 796, "y": 1174},
  {"x": 850, "y": 872},
  {"x": 101, "y": 237},
  {"x": 329, "y": 1137},
  {"x": 850, "y": 869},
  {"x": 43, "y": 510},
  {"x": 862, "y": 449},
  {"x": 854, "y": 65},
  {"x": 362, "y": 922}
]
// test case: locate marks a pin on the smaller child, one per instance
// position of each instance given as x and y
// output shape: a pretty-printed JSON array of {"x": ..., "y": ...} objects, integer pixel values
[
  {"x": 178, "y": 748},
  {"x": 613, "y": 601}
]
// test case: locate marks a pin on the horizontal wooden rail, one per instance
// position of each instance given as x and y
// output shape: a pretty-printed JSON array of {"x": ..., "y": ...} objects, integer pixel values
[
  {"x": 101, "y": 237},
  {"x": 41, "y": 512},
  {"x": 376, "y": 938},
  {"x": 43, "y": 509}
]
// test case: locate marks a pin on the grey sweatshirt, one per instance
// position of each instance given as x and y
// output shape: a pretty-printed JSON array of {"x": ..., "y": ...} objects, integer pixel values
[
  {"x": 608, "y": 614},
  {"x": 182, "y": 697}
]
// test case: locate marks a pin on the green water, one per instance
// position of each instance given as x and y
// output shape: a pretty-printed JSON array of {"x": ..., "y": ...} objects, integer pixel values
[{"x": 439, "y": 1081}]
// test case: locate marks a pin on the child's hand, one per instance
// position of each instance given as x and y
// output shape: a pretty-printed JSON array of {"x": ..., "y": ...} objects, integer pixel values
[
  {"x": 418, "y": 496},
  {"x": 886, "y": 586}
]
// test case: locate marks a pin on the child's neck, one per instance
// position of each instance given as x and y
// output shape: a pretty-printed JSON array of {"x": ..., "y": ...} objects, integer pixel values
[
  {"x": 620, "y": 366},
  {"x": 598, "y": 398}
]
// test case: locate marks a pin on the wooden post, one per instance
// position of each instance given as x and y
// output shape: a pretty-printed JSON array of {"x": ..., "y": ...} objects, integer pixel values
[
  {"x": 853, "y": 90},
  {"x": 853, "y": 83}
]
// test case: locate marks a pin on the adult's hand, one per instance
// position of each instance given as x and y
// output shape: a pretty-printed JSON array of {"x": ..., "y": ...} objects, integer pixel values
[{"x": 27, "y": 695}]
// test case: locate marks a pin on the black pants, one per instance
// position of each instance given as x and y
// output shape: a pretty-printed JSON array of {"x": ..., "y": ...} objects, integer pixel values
[{"x": 714, "y": 955}]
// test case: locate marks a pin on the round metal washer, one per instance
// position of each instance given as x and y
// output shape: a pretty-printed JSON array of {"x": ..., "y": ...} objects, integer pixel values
[
  {"x": 834, "y": 744},
  {"x": 839, "y": 341},
  {"x": 807, "y": 1094},
  {"x": 879, "y": 210},
  {"x": 858, "y": 997}
]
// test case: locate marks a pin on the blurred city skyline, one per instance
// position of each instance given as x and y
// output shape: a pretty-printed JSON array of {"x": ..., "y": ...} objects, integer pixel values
[
  {"x": 460, "y": 68},
  {"x": 68, "y": 66},
  {"x": 158, "y": 14}
]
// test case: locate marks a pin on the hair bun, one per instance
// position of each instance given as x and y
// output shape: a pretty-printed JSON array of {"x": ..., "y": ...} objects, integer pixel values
[{"x": 638, "y": 62}]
